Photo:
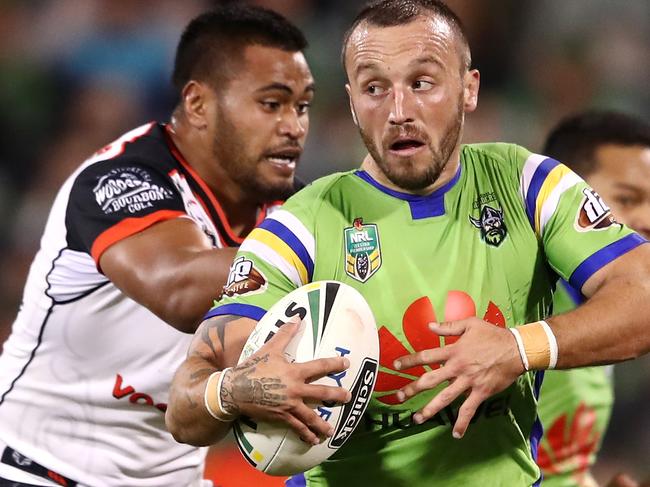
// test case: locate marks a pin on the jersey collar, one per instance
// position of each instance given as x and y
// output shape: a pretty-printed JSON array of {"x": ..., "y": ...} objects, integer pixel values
[{"x": 421, "y": 206}]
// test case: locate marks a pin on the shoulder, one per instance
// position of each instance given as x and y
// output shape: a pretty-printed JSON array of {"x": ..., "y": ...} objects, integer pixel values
[
  {"x": 321, "y": 190},
  {"x": 497, "y": 154},
  {"x": 138, "y": 158}
]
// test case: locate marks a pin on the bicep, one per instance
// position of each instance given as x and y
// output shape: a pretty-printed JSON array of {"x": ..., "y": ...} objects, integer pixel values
[
  {"x": 220, "y": 340},
  {"x": 633, "y": 266},
  {"x": 137, "y": 263}
]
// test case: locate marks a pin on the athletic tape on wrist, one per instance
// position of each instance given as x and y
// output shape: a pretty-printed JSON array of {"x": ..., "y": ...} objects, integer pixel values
[
  {"x": 212, "y": 397},
  {"x": 537, "y": 345},
  {"x": 520, "y": 346}
]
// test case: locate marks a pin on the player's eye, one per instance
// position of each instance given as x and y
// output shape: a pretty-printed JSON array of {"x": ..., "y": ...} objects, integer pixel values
[
  {"x": 270, "y": 105},
  {"x": 422, "y": 85},
  {"x": 303, "y": 108},
  {"x": 374, "y": 90},
  {"x": 626, "y": 201}
]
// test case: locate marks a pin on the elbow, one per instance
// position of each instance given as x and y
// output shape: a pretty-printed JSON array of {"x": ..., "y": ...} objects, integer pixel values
[{"x": 174, "y": 428}]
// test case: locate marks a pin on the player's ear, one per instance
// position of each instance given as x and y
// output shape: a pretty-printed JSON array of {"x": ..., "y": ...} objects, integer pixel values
[
  {"x": 194, "y": 99},
  {"x": 354, "y": 113},
  {"x": 471, "y": 83}
]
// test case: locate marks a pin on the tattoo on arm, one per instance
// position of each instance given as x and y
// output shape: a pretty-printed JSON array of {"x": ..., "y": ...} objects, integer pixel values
[
  {"x": 218, "y": 324},
  {"x": 240, "y": 387},
  {"x": 200, "y": 375}
]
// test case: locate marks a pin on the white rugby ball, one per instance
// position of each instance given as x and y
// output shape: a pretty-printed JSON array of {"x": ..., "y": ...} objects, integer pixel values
[{"x": 336, "y": 321}]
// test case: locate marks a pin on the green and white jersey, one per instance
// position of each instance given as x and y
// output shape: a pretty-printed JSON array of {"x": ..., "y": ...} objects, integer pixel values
[
  {"x": 574, "y": 408},
  {"x": 489, "y": 243}
]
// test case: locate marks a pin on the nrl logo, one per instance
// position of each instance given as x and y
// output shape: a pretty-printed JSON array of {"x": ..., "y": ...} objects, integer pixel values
[
  {"x": 493, "y": 228},
  {"x": 362, "y": 250}
]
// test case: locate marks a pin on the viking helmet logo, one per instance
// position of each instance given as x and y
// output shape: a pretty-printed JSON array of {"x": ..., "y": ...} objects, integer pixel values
[{"x": 492, "y": 225}]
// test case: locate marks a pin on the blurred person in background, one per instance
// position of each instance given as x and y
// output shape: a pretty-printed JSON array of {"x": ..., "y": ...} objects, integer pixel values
[
  {"x": 611, "y": 151},
  {"x": 138, "y": 242}
]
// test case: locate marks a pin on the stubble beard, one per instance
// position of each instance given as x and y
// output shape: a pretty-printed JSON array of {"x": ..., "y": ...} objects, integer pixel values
[
  {"x": 230, "y": 150},
  {"x": 406, "y": 175}
]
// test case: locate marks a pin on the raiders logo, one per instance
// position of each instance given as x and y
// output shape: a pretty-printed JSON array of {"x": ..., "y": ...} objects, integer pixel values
[
  {"x": 593, "y": 214},
  {"x": 492, "y": 225},
  {"x": 244, "y": 278}
]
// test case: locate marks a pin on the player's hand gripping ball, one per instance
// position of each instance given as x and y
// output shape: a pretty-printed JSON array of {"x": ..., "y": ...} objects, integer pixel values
[{"x": 337, "y": 321}]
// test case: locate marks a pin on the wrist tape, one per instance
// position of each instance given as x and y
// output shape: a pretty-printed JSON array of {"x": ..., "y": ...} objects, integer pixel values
[
  {"x": 537, "y": 345},
  {"x": 212, "y": 397}
]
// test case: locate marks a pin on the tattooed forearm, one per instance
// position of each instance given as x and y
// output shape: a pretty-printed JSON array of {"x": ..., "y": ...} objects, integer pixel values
[
  {"x": 219, "y": 325},
  {"x": 239, "y": 386},
  {"x": 200, "y": 375}
]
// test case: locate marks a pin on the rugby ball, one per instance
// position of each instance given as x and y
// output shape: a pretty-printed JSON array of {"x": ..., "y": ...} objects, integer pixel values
[{"x": 336, "y": 321}]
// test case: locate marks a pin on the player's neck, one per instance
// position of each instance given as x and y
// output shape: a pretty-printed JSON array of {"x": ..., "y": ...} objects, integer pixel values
[
  {"x": 447, "y": 174},
  {"x": 240, "y": 208}
]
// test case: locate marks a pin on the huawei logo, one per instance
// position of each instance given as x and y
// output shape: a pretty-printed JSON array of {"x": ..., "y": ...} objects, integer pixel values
[
  {"x": 459, "y": 305},
  {"x": 570, "y": 446}
]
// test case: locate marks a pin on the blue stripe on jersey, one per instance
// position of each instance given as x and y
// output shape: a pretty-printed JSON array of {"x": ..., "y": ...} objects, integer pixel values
[
  {"x": 537, "y": 430},
  {"x": 536, "y": 183},
  {"x": 288, "y": 237},
  {"x": 421, "y": 206},
  {"x": 297, "y": 480},
  {"x": 575, "y": 294},
  {"x": 602, "y": 257},
  {"x": 237, "y": 309}
]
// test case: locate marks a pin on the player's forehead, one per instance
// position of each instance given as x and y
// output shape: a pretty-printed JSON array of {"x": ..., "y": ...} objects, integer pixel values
[
  {"x": 426, "y": 37},
  {"x": 624, "y": 163},
  {"x": 265, "y": 65}
]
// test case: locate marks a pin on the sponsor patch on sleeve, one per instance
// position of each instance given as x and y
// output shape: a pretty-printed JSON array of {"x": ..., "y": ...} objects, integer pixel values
[
  {"x": 244, "y": 278},
  {"x": 594, "y": 214},
  {"x": 129, "y": 190}
]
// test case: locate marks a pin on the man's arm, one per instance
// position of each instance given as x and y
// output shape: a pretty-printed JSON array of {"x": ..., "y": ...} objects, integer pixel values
[
  {"x": 264, "y": 387},
  {"x": 170, "y": 268},
  {"x": 611, "y": 326}
]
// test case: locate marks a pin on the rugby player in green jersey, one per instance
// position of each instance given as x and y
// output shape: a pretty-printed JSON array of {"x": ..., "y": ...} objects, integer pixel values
[
  {"x": 611, "y": 151},
  {"x": 456, "y": 248}
]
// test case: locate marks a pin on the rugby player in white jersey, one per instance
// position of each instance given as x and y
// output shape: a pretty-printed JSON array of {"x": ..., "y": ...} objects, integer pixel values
[{"x": 138, "y": 242}]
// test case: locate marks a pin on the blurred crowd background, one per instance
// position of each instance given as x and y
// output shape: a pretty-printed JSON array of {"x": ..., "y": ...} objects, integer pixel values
[{"x": 75, "y": 74}]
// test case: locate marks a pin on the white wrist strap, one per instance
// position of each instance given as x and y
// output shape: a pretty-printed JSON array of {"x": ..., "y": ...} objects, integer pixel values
[{"x": 212, "y": 397}]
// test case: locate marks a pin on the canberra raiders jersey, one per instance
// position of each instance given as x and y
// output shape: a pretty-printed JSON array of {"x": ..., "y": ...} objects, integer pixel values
[
  {"x": 574, "y": 408},
  {"x": 489, "y": 243},
  {"x": 86, "y": 371}
]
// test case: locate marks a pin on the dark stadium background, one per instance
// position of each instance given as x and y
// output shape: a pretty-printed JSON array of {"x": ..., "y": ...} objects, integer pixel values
[{"x": 74, "y": 74}]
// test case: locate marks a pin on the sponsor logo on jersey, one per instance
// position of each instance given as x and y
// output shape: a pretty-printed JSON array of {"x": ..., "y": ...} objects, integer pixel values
[
  {"x": 128, "y": 189},
  {"x": 362, "y": 250},
  {"x": 491, "y": 224},
  {"x": 594, "y": 214},
  {"x": 484, "y": 199},
  {"x": 244, "y": 278},
  {"x": 135, "y": 397},
  {"x": 353, "y": 410},
  {"x": 569, "y": 445},
  {"x": 416, "y": 335},
  {"x": 492, "y": 408}
]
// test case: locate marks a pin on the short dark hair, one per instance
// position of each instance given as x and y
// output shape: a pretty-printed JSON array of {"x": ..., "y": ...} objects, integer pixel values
[
  {"x": 576, "y": 138},
  {"x": 215, "y": 38},
  {"x": 388, "y": 13}
]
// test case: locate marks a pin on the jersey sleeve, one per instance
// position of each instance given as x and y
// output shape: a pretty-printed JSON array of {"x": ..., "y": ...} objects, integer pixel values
[
  {"x": 276, "y": 258},
  {"x": 576, "y": 227},
  {"x": 114, "y": 199}
]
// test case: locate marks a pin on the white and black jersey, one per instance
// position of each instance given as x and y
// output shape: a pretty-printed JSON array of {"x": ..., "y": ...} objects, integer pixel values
[{"x": 84, "y": 375}]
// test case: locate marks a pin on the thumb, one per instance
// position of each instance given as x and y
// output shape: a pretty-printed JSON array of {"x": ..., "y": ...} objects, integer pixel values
[
  {"x": 285, "y": 333},
  {"x": 448, "y": 328}
]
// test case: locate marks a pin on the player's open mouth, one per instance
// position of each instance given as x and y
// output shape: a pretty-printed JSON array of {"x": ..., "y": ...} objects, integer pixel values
[
  {"x": 284, "y": 160},
  {"x": 406, "y": 147}
]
